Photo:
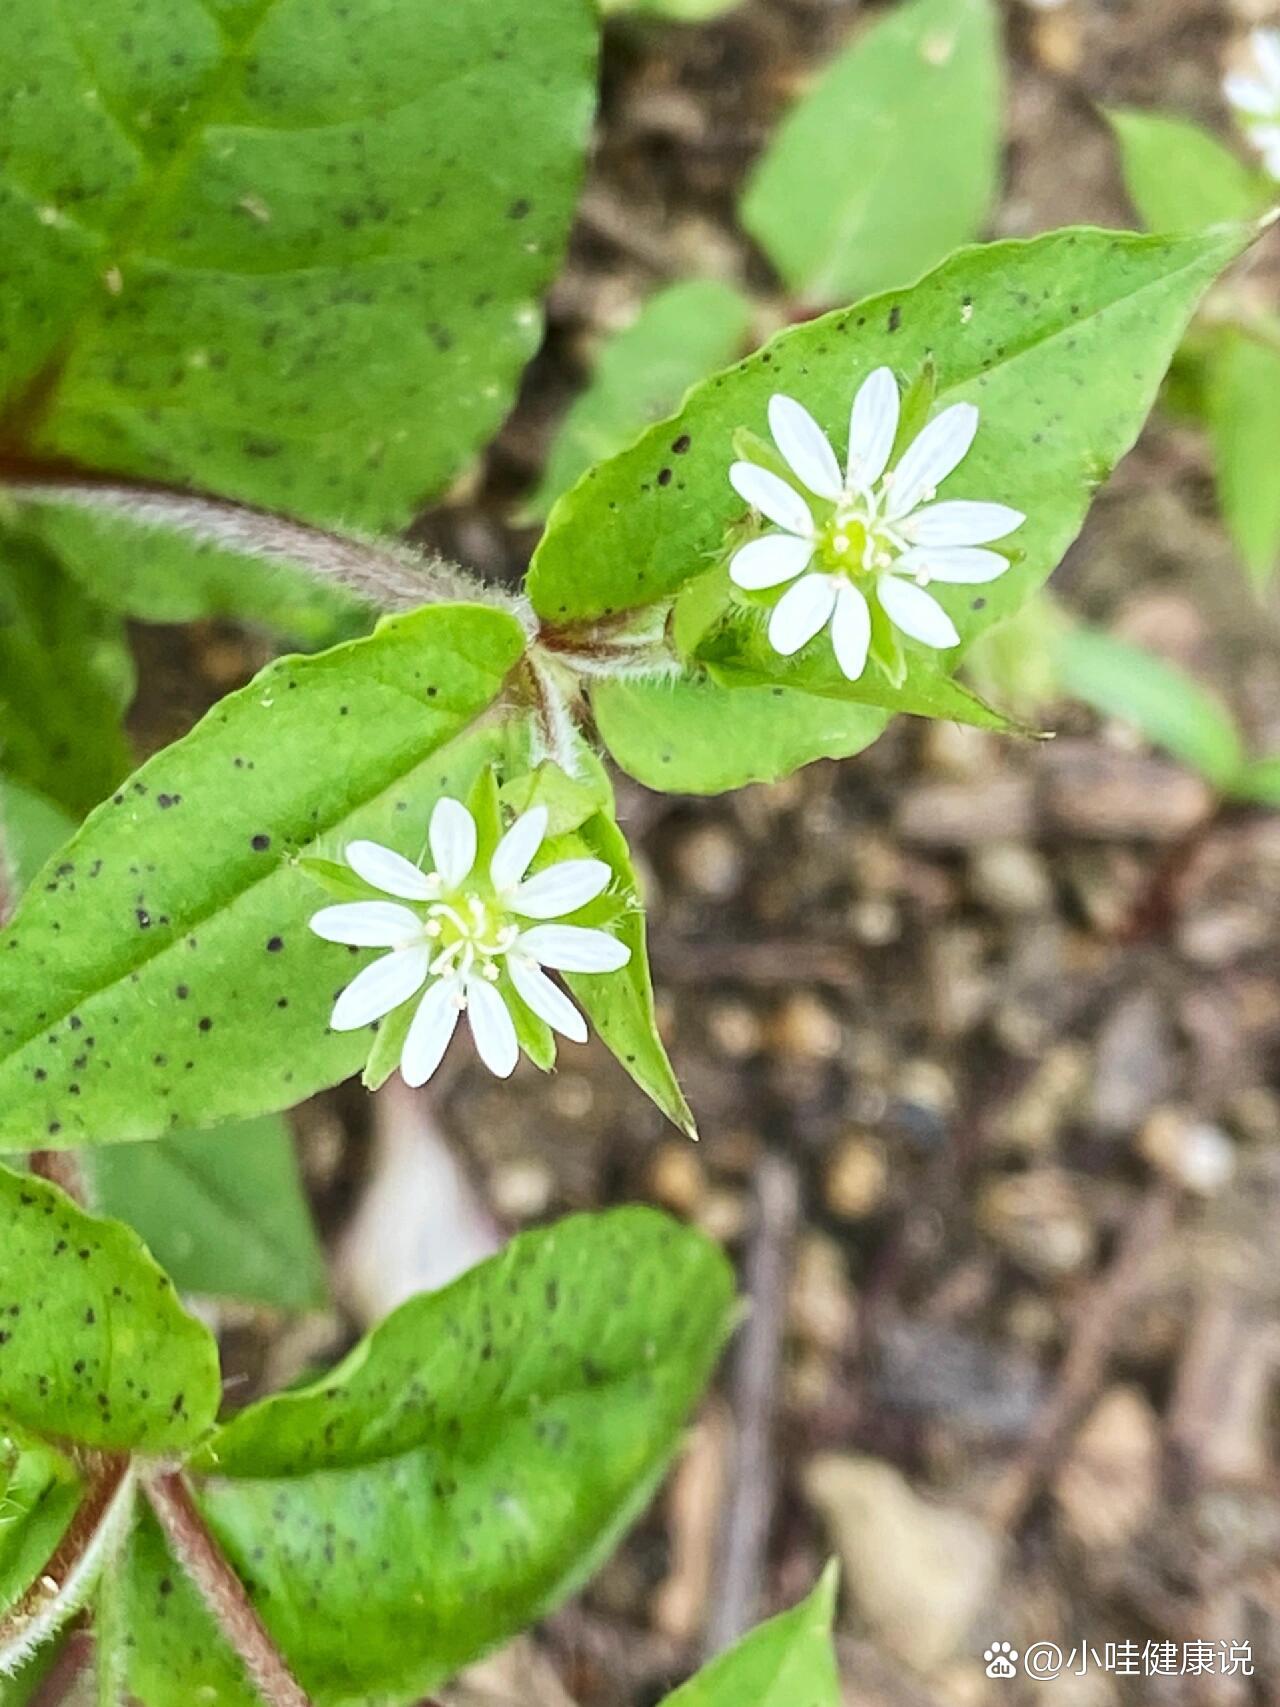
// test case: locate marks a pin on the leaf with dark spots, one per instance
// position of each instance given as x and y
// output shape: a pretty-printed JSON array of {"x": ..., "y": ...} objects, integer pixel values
[
  {"x": 461, "y": 1462},
  {"x": 192, "y": 187},
  {"x": 1061, "y": 343},
  {"x": 114, "y": 954},
  {"x": 98, "y": 1349}
]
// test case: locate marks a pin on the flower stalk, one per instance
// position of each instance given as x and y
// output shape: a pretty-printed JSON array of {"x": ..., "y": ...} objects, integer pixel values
[{"x": 200, "y": 1556}]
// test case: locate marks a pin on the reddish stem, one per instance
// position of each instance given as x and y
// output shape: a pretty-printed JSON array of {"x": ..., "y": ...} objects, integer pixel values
[
  {"x": 221, "y": 1589},
  {"x": 105, "y": 1472}
]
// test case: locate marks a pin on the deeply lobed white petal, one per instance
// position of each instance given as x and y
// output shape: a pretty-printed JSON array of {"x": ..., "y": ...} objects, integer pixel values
[
  {"x": 546, "y": 999},
  {"x": 961, "y": 522},
  {"x": 452, "y": 835},
  {"x": 769, "y": 493},
  {"x": 873, "y": 426},
  {"x": 562, "y": 888},
  {"x": 770, "y": 561},
  {"x": 935, "y": 452},
  {"x": 805, "y": 447},
  {"x": 514, "y": 853},
  {"x": 368, "y": 924},
  {"x": 492, "y": 1028},
  {"x": 430, "y": 1031},
  {"x": 800, "y": 613},
  {"x": 851, "y": 632},
  {"x": 389, "y": 871},
  {"x": 378, "y": 989},
  {"x": 573, "y": 948},
  {"x": 962, "y": 565},
  {"x": 916, "y": 612}
]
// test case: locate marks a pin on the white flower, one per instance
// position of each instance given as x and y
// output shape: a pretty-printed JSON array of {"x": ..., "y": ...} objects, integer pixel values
[
  {"x": 1255, "y": 95},
  {"x": 870, "y": 533},
  {"x": 461, "y": 930}
]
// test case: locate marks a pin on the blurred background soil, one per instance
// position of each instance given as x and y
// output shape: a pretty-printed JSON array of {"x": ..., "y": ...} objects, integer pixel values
[{"x": 982, "y": 1035}]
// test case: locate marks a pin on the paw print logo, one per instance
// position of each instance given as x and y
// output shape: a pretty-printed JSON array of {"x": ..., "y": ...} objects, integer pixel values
[{"x": 1002, "y": 1660}]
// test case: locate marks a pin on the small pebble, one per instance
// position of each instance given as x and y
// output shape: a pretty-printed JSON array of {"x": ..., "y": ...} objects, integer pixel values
[
  {"x": 723, "y": 1216},
  {"x": 734, "y": 1029},
  {"x": 677, "y": 1178},
  {"x": 1038, "y": 1219},
  {"x": 1105, "y": 794},
  {"x": 964, "y": 814},
  {"x": 875, "y": 922},
  {"x": 805, "y": 1029},
  {"x": 708, "y": 860},
  {"x": 571, "y": 1096},
  {"x": 857, "y": 1177},
  {"x": 1010, "y": 878},
  {"x": 521, "y": 1190},
  {"x": 1032, "y": 1121},
  {"x": 1193, "y": 1153},
  {"x": 821, "y": 1306},
  {"x": 1107, "y": 1487}
]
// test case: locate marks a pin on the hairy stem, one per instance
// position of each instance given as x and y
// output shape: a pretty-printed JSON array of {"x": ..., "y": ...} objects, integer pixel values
[
  {"x": 223, "y": 1593},
  {"x": 389, "y": 576},
  {"x": 553, "y": 694},
  {"x": 68, "y": 1576}
]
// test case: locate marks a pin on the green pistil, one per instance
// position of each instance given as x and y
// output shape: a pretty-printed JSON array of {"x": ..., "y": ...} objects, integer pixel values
[
  {"x": 470, "y": 933},
  {"x": 850, "y": 544}
]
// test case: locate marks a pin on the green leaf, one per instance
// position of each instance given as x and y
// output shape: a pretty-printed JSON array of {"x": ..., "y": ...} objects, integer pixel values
[
  {"x": 1061, "y": 342},
  {"x": 254, "y": 245},
  {"x": 1179, "y": 176},
  {"x": 1243, "y": 407},
  {"x": 1259, "y": 780},
  {"x": 620, "y": 1004},
  {"x": 95, "y": 1347},
  {"x": 223, "y": 1211},
  {"x": 569, "y": 800},
  {"x": 465, "y": 1468},
  {"x": 162, "y": 974},
  {"x": 1168, "y": 706},
  {"x": 787, "y": 1662},
  {"x": 39, "y": 1492},
  {"x": 66, "y": 676},
  {"x": 681, "y": 335},
  {"x": 739, "y": 656},
  {"x": 690, "y": 735},
  {"x": 891, "y": 160}
]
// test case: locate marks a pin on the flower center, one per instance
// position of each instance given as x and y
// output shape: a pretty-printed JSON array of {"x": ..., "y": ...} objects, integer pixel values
[
  {"x": 854, "y": 541},
  {"x": 471, "y": 935}
]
